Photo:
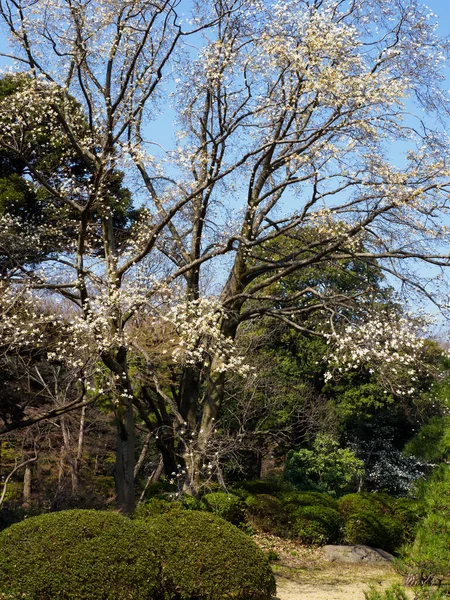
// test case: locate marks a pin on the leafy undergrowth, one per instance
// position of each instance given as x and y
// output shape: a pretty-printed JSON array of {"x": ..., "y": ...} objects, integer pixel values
[{"x": 303, "y": 573}]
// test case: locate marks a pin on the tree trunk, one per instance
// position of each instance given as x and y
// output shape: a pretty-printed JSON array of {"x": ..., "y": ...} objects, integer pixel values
[
  {"x": 154, "y": 477},
  {"x": 125, "y": 446},
  {"x": 67, "y": 455},
  {"x": 142, "y": 455},
  {"x": 27, "y": 487},
  {"x": 80, "y": 440}
]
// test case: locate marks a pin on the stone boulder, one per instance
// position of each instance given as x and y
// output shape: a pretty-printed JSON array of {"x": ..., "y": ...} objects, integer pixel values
[{"x": 357, "y": 554}]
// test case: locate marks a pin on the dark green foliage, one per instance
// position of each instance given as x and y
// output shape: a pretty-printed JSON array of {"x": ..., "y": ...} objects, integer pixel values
[
  {"x": 291, "y": 501},
  {"x": 432, "y": 442},
  {"x": 427, "y": 559},
  {"x": 267, "y": 514},
  {"x": 227, "y": 506},
  {"x": 206, "y": 558},
  {"x": 317, "y": 525},
  {"x": 351, "y": 504},
  {"x": 370, "y": 529},
  {"x": 79, "y": 555},
  {"x": 258, "y": 486},
  {"x": 379, "y": 520},
  {"x": 409, "y": 513},
  {"x": 326, "y": 467},
  {"x": 161, "y": 489},
  {"x": 161, "y": 504}
]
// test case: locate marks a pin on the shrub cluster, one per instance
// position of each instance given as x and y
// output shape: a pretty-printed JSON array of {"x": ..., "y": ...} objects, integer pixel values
[
  {"x": 227, "y": 506},
  {"x": 426, "y": 560},
  {"x": 266, "y": 513},
  {"x": 317, "y": 525},
  {"x": 316, "y": 518},
  {"x": 92, "y": 555},
  {"x": 378, "y": 520}
]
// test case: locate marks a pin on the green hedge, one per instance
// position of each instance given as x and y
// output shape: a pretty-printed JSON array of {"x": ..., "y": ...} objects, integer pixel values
[
  {"x": 317, "y": 525},
  {"x": 291, "y": 501},
  {"x": 351, "y": 504},
  {"x": 266, "y": 513},
  {"x": 227, "y": 506},
  {"x": 379, "y": 531},
  {"x": 205, "y": 558},
  {"x": 79, "y": 555},
  {"x": 409, "y": 513},
  {"x": 256, "y": 487}
]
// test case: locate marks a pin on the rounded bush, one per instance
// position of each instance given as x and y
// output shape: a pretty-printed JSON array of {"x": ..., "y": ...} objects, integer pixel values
[
  {"x": 293, "y": 500},
  {"x": 380, "y": 504},
  {"x": 266, "y": 513},
  {"x": 374, "y": 530},
  {"x": 257, "y": 486},
  {"x": 409, "y": 513},
  {"x": 317, "y": 525},
  {"x": 205, "y": 558},
  {"x": 227, "y": 506},
  {"x": 78, "y": 555}
]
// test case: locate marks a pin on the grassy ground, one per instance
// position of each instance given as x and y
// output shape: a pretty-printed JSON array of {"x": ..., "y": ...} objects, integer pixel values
[{"x": 304, "y": 574}]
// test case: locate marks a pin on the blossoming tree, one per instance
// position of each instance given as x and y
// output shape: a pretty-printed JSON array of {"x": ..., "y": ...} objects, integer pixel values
[{"x": 284, "y": 119}]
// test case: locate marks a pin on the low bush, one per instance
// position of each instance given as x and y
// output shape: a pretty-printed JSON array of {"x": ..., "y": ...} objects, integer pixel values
[
  {"x": 379, "y": 531},
  {"x": 376, "y": 503},
  {"x": 205, "y": 558},
  {"x": 291, "y": 501},
  {"x": 266, "y": 513},
  {"x": 317, "y": 525},
  {"x": 426, "y": 560},
  {"x": 79, "y": 555},
  {"x": 227, "y": 506},
  {"x": 409, "y": 513},
  {"x": 257, "y": 487}
]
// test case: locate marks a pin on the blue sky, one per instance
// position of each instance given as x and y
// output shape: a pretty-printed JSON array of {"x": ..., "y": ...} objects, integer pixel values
[{"x": 442, "y": 10}]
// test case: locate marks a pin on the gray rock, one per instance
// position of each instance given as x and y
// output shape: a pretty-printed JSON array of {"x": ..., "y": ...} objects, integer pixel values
[{"x": 357, "y": 554}]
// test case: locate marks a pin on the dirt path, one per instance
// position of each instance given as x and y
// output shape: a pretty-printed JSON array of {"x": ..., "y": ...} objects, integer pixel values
[
  {"x": 304, "y": 574},
  {"x": 288, "y": 589}
]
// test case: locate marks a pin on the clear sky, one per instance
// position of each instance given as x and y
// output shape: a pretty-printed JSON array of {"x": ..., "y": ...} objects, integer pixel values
[{"x": 442, "y": 10}]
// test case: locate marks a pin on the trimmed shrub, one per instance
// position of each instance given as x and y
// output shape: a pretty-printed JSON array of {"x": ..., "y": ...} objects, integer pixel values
[
  {"x": 205, "y": 558},
  {"x": 291, "y": 501},
  {"x": 409, "y": 513},
  {"x": 227, "y": 506},
  {"x": 352, "y": 504},
  {"x": 267, "y": 514},
  {"x": 257, "y": 487},
  {"x": 78, "y": 555},
  {"x": 371, "y": 529},
  {"x": 317, "y": 525}
]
